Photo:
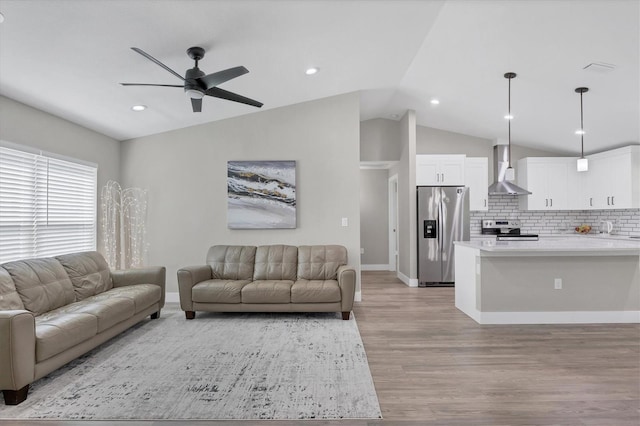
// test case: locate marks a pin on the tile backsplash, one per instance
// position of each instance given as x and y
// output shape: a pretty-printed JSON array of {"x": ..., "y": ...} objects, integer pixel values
[{"x": 625, "y": 221}]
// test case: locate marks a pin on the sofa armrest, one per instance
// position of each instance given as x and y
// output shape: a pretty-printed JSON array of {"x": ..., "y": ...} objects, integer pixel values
[
  {"x": 187, "y": 278},
  {"x": 150, "y": 275},
  {"x": 347, "y": 282},
  {"x": 17, "y": 349}
]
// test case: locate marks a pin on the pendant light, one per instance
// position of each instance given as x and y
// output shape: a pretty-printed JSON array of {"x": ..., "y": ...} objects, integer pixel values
[
  {"x": 510, "y": 174},
  {"x": 583, "y": 163}
]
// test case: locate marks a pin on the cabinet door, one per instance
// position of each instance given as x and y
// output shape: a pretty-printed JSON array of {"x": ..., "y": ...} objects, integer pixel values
[
  {"x": 452, "y": 170},
  {"x": 427, "y": 170},
  {"x": 537, "y": 183},
  {"x": 557, "y": 181},
  {"x": 476, "y": 175},
  {"x": 592, "y": 187},
  {"x": 619, "y": 187}
]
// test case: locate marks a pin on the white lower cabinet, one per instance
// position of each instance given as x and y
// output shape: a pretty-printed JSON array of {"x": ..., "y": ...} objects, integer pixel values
[{"x": 476, "y": 176}]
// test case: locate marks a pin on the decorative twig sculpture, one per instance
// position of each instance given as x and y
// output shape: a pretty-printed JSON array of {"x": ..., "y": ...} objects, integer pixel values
[{"x": 124, "y": 225}]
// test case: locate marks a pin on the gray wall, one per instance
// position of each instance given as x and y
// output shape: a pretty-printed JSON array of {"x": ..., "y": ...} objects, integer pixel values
[
  {"x": 380, "y": 140},
  {"x": 407, "y": 250},
  {"x": 374, "y": 217},
  {"x": 25, "y": 125},
  {"x": 185, "y": 173}
]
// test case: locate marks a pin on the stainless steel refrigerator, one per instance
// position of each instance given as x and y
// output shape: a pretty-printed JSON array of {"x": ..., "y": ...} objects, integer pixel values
[{"x": 443, "y": 217}]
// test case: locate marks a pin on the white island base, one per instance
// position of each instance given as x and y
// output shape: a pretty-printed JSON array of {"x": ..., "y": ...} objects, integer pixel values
[{"x": 517, "y": 282}]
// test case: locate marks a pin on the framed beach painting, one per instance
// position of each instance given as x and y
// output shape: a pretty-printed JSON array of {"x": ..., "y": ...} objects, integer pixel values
[{"x": 261, "y": 194}]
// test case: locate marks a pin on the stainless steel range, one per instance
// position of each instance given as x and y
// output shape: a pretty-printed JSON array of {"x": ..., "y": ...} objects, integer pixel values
[{"x": 506, "y": 230}]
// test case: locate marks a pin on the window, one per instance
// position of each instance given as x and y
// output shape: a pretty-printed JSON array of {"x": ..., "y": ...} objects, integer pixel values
[{"x": 47, "y": 204}]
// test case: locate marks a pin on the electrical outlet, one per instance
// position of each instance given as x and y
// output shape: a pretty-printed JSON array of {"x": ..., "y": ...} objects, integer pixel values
[
  {"x": 361, "y": 250},
  {"x": 557, "y": 284},
  {"x": 345, "y": 221}
]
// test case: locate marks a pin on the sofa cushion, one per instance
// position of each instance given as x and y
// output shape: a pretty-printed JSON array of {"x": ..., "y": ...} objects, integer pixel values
[
  {"x": 218, "y": 291},
  {"x": 320, "y": 262},
  {"x": 108, "y": 312},
  {"x": 276, "y": 262},
  {"x": 267, "y": 291},
  {"x": 43, "y": 284},
  {"x": 315, "y": 291},
  {"x": 9, "y": 297},
  {"x": 57, "y": 332},
  {"x": 142, "y": 295},
  {"x": 88, "y": 271},
  {"x": 231, "y": 262}
]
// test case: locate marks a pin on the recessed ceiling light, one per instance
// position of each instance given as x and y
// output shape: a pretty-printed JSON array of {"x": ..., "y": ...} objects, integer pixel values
[
  {"x": 139, "y": 107},
  {"x": 435, "y": 102},
  {"x": 580, "y": 132},
  {"x": 311, "y": 71},
  {"x": 508, "y": 117}
]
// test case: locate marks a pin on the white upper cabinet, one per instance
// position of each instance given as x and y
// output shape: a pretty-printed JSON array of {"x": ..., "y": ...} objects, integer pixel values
[
  {"x": 440, "y": 170},
  {"x": 476, "y": 176},
  {"x": 548, "y": 179},
  {"x": 612, "y": 181}
]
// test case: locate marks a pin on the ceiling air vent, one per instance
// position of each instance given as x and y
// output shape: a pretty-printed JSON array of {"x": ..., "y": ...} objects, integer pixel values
[{"x": 600, "y": 67}]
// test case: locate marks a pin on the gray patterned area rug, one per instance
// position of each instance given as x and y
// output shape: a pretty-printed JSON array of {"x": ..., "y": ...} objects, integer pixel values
[{"x": 218, "y": 366}]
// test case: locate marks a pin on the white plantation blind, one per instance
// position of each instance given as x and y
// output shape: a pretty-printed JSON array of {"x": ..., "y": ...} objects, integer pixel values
[{"x": 47, "y": 205}]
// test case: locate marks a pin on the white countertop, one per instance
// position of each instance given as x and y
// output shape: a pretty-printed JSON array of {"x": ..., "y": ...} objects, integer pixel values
[{"x": 557, "y": 244}]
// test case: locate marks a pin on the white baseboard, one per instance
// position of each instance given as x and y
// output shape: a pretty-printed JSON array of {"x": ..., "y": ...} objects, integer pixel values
[
  {"x": 411, "y": 282},
  {"x": 563, "y": 317},
  {"x": 173, "y": 297},
  {"x": 375, "y": 267}
]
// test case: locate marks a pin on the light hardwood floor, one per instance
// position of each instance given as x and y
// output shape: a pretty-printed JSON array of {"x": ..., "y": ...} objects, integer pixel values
[{"x": 432, "y": 365}]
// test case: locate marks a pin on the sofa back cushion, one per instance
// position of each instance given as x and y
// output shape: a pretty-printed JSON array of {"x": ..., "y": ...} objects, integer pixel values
[
  {"x": 320, "y": 262},
  {"x": 9, "y": 297},
  {"x": 277, "y": 262},
  {"x": 231, "y": 262},
  {"x": 43, "y": 284},
  {"x": 89, "y": 273}
]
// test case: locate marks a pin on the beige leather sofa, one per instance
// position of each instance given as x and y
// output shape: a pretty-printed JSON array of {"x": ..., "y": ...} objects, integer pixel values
[
  {"x": 274, "y": 278},
  {"x": 53, "y": 310}
]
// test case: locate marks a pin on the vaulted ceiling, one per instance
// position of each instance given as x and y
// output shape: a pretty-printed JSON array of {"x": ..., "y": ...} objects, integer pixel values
[{"x": 67, "y": 57}]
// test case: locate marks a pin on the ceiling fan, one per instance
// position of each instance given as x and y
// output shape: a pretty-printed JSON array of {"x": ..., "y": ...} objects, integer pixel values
[{"x": 197, "y": 84}]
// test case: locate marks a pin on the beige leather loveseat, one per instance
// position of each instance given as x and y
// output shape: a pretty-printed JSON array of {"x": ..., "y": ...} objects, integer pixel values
[
  {"x": 53, "y": 310},
  {"x": 274, "y": 278}
]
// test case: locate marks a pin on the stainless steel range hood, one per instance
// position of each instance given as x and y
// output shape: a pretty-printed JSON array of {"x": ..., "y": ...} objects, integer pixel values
[{"x": 500, "y": 163}]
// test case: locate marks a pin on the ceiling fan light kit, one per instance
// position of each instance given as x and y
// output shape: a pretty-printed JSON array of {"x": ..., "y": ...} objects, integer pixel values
[
  {"x": 197, "y": 84},
  {"x": 583, "y": 163}
]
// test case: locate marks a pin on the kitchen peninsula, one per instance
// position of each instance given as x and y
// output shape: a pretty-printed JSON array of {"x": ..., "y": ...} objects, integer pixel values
[{"x": 551, "y": 281}]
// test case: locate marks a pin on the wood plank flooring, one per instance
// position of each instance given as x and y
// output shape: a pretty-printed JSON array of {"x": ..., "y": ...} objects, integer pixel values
[{"x": 433, "y": 365}]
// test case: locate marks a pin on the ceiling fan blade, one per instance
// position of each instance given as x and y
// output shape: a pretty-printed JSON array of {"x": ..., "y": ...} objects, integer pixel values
[
  {"x": 151, "y": 58},
  {"x": 146, "y": 84},
  {"x": 196, "y": 104},
  {"x": 217, "y": 92},
  {"x": 212, "y": 80}
]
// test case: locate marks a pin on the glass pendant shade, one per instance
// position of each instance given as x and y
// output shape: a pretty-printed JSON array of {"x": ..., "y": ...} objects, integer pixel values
[
  {"x": 510, "y": 175},
  {"x": 583, "y": 164}
]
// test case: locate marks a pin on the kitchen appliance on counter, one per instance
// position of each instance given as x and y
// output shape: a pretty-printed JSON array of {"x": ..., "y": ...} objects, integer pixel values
[
  {"x": 506, "y": 230},
  {"x": 443, "y": 217}
]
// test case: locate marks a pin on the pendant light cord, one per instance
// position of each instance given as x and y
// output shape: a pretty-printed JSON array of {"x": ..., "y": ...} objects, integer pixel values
[
  {"x": 581, "y": 129},
  {"x": 510, "y": 118}
]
